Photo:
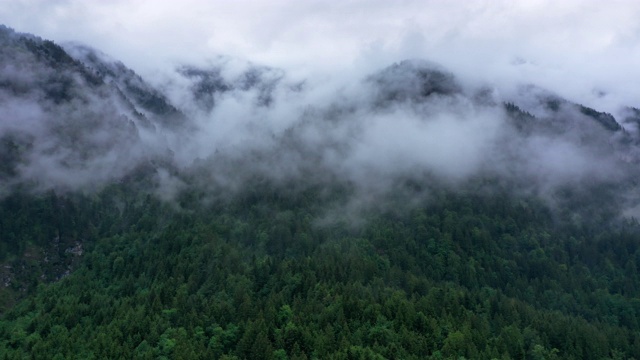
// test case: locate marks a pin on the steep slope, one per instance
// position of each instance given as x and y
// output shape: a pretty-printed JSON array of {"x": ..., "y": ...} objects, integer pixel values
[
  {"x": 141, "y": 96},
  {"x": 67, "y": 125},
  {"x": 407, "y": 215}
]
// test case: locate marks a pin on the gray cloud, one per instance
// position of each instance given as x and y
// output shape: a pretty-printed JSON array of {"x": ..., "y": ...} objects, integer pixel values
[
  {"x": 412, "y": 121},
  {"x": 578, "y": 48},
  {"x": 328, "y": 112}
]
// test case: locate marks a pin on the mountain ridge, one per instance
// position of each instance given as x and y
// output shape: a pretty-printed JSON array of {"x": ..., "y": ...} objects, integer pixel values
[{"x": 402, "y": 215}]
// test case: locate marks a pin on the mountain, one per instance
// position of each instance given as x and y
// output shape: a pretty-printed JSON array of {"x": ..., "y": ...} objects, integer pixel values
[
  {"x": 142, "y": 97},
  {"x": 235, "y": 212},
  {"x": 208, "y": 83},
  {"x": 68, "y": 123},
  {"x": 413, "y": 80}
]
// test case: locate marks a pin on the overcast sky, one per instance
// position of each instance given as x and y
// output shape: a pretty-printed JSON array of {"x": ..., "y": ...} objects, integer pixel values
[{"x": 588, "y": 51}]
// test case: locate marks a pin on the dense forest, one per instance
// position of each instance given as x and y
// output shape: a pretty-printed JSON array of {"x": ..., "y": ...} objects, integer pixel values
[
  {"x": 408, "y": 215},
  {"x": 263, "y": 276}
]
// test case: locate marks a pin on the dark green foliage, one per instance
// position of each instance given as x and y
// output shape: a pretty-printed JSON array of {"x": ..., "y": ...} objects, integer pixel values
[
  {"x": 412, "y": 81},
  {"x": 257, "y": 278},
  {"x": 605, "y": 119},
  {"x": 12, "y": 149}
]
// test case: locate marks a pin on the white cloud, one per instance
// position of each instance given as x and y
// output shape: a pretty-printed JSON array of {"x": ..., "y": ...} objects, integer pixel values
[{"x": 581, "y": 49}]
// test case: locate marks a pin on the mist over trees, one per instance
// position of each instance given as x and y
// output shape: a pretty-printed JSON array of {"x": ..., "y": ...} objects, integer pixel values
[
  {"x": 233, "y": 211},
  {"x": 76, "y": 119}
]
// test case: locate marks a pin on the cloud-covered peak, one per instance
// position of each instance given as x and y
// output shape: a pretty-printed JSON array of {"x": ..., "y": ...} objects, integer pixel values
[
  {"x": 76, "y": 119},
  {"x": 65, "y": 124},
  {"x": 413, "y": 80}
]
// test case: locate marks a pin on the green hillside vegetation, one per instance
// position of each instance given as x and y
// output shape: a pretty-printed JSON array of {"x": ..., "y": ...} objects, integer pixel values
[
  {"x": 263, "y": 276},
  {"x": 409, "y": 214}
]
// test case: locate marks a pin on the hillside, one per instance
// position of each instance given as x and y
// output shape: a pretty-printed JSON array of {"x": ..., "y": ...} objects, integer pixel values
[{"x": 247, "y": 214}]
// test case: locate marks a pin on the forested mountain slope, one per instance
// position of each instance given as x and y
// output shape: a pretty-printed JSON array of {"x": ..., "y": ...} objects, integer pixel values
[
  {"x": 473, "y": 276},
  {"x": 257, "y": 216}
]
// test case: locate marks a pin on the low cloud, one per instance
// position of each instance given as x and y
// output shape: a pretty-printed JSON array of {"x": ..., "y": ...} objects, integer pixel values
[
  {"x": 584, "y": 50},
  {"x": 353, "y": 120},
  {"x": 410, "y": 121}
]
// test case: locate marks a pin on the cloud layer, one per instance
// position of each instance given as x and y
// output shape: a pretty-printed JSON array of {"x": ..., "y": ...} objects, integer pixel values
[
  {"x": 323, "y": 102},
  {"x": 585, "y": 50}
]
